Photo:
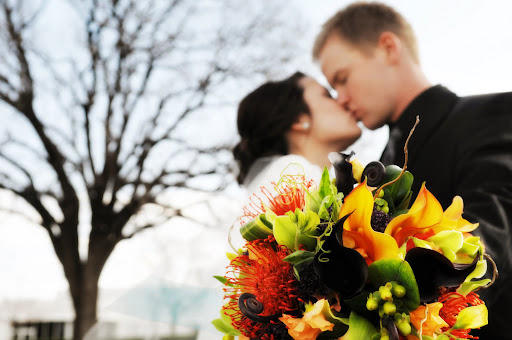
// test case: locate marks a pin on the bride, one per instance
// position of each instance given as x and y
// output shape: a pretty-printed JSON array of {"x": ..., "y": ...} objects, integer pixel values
[{"x": 291, "y": 121}]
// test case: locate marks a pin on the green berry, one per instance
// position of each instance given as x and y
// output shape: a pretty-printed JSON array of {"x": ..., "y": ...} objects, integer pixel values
[
  {"x": 376, "y": 296},
  {"x": 385, "y": 293},
  {"x": 389, "y": 308},
  {"x": 372, "y": 304},
  {"x": 404, "y": 328},
  {"x": 399, "y": 291},
  {"x": 384, "y": 334}
]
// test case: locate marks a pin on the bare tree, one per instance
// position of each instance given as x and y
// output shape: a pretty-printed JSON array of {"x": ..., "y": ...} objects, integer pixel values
[{"x": 93, "y": 128}]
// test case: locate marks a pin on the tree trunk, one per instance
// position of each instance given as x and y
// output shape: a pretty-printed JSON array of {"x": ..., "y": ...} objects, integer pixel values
[
  {"x": 85, "y": 294},
  {"x": 85, "y": 301}
]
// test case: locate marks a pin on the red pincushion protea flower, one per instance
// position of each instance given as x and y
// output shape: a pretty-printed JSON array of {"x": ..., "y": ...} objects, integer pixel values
[
  {"x": 264, "y": 274},
  {"x": 453, "y": 304},
  {"x": 291, "y": 194}
]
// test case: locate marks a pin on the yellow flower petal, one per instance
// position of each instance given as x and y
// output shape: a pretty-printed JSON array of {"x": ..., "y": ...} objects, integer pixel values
[
  {"x": 472, "y": 317},
  {"x": 452, "y": 218}
]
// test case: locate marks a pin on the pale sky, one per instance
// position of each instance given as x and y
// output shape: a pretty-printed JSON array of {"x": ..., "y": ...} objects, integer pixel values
[{"x": 464, "y": 45}]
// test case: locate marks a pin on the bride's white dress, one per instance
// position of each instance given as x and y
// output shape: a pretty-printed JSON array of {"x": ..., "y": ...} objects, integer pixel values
[{"x": 270, "y": 169}]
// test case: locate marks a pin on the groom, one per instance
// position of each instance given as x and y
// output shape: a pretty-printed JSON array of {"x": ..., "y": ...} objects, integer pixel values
[{"x": 462, "y": 145}]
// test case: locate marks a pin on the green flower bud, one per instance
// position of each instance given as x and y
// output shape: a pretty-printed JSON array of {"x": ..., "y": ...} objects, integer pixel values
[
  {"x": 389, "y": 308},
  {"x": 399, "y": 291}
]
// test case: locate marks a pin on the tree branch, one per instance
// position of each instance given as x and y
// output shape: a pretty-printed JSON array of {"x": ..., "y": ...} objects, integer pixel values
[{"x": 24, "y": 105}]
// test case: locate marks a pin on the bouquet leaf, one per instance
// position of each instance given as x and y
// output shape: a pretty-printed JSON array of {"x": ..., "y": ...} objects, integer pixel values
[
  {"x": 257, "y": 228},
  {"x": 224, "y": 325},
  {"x": 382, "y": 271},
  {"x": 299, "y": 256},
  {"x": 359, "y": 328},
  {"x": 398, "y": 194},
  {"x": 221, "y": 279}
]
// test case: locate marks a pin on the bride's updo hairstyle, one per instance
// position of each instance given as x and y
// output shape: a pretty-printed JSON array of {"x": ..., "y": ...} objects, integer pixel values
[{"x": 264, "y": 118}]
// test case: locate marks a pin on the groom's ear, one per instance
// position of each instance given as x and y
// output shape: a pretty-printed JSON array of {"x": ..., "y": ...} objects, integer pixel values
[{"x": 391, "y": 46}]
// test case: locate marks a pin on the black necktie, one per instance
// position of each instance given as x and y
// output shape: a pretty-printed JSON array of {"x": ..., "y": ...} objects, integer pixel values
[{"x": 389, "y": 153}]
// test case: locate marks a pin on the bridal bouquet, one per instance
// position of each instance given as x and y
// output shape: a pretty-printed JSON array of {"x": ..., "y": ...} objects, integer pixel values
[{"x": 352, "y": 258}]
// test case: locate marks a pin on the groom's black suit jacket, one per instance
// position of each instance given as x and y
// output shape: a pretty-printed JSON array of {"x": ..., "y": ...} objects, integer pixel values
[{"x": 463, "y": 146}]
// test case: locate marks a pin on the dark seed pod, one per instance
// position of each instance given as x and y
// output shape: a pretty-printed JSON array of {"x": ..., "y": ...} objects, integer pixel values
[
  {"x": 374, "y": 173},
  {"x": 251, "y": 308}
]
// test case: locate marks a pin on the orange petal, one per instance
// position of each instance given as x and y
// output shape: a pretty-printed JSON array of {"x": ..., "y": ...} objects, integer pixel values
[
  {"x": 376, "y": 245},
  {"x": 360, "y": 203},
  {"x": 425, "y": 212},
  {"x": 427, "y": 319}
]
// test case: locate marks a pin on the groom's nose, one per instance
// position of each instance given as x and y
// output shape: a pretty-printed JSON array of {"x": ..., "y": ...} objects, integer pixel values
[{"x": 342, "y": 99}]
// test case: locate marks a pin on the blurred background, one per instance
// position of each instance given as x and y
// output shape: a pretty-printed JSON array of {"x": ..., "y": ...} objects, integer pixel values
[{"x": 117, "y": 184}]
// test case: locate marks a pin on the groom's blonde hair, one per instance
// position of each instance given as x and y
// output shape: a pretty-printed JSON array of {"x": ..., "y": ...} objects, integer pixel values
[{"x": 361, "y": 25}]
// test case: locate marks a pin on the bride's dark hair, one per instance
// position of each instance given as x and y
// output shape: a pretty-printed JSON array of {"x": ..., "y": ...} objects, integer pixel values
[{"x": 264, "y": 117}]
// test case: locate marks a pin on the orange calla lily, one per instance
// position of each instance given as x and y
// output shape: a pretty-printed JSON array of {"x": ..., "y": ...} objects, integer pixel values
[
  {"x": 425, "y": 212},
  {"x": 358, "y": 233},
  {"x": 452, "y": 218}
]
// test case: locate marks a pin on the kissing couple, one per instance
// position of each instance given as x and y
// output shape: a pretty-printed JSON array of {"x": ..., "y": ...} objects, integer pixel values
[{"x": 462, "y": 145}]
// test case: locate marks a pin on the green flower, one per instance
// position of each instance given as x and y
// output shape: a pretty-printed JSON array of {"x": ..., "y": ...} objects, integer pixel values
[
  {"x": 294, "y": 229},
  {"x": 325, "y": 197}
]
